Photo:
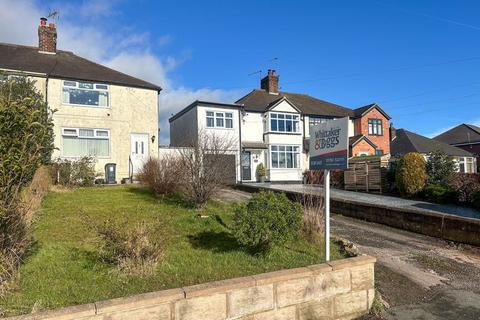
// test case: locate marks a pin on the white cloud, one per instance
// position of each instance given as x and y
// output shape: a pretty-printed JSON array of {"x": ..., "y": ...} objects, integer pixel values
[{"x": 123, "y": 50}]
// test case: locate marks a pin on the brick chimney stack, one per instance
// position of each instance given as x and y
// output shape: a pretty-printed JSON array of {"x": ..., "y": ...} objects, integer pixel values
[
  {"x": 47, "y": 36},
  {"x": 270, "y": 82}
]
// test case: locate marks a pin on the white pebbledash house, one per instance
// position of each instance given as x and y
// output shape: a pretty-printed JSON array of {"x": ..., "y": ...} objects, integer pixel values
[
  {"x": 272, "y": 128},
  {"x": 101, "y": 113}
]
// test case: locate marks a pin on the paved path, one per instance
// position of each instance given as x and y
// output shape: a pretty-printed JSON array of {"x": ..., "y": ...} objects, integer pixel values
[
  {"x": 420, "y": 277},
  {"x": 387, "y": 201}
]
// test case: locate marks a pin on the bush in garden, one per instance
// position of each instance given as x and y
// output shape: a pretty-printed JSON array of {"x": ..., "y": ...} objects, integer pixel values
[
  {"x": 267, "y": 220},
  {"x": 26, "y": 143},
  {"x": 162, "y": 176},
  {"x": 70, "y": 173},
  {"x": 465, "y": 186},
  {"x": 136, "y": 249},
  {"x": 440, "y": 168},
  {"x": 439, "y": 193},
  {"x": 411, "y": 174},
  {"x": 476, "y": 200},
  {"x": 261, "y": 172}
]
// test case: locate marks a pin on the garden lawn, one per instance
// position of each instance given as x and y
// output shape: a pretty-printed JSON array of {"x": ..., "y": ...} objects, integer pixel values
[{"x": 65, "y": 266}]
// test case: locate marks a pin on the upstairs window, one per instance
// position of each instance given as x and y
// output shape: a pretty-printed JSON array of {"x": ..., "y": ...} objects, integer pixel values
[
  {"x": 375, "y": 127},
  {"x": 85, "y": 142},
  {"x": 313, "y": 121},
  {"x": 85, "y": 93},
  {"x": 219, "y": 119},
  {"x": 280, "y": 122}
]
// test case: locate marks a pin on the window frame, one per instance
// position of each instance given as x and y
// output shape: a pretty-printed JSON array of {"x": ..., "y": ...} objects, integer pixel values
[
  {"x": 95, "y": 136},
  {"x": 77, "y": 87},
  {"x": 375, "y": 123},
  {"x": 278, "y": 117},
  {"x": 219, "y": 115},
  {"x": 296, "y": 160}
]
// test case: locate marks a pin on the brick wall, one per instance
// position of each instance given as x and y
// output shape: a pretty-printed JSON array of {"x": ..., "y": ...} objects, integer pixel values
[
  {"x": 362, "y": 147},
  {"x": 361, "y": 127},
  {"x": 342, "y": 289}
]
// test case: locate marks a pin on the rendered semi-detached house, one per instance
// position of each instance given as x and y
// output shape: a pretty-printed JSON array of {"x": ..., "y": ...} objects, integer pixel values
[
  {"x": 101, "y": 113},
  {"x": 273, "y": 128}
]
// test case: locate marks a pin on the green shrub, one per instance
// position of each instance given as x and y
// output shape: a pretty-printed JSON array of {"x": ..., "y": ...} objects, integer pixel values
[
  {"x": 440, "y": 168},
  {"x": 26, "y": 142},
  {"x": 268, "y": 219},
  {"x": 439, "y": 193},
  {"x": 69, "y": 173},
  {"x": 261, "y": 172},
  {"x": 411, "y": 174}
]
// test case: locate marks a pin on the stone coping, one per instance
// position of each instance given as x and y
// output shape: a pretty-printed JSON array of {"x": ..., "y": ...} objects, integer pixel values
[{"x": 205, "y": 289}]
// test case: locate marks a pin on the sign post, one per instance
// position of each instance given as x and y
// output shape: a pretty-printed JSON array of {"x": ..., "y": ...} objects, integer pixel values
[{"x": 329, "y": 150}]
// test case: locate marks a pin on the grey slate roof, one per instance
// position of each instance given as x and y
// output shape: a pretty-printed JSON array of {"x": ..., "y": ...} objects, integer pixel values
[
  {"x": 461, "y": 134},
  {"x": 64, "y": 65},
  {"x": 260, "y": 100},
  {"x": 407, "y": 141},
  {"x": 362, "y": 110}
]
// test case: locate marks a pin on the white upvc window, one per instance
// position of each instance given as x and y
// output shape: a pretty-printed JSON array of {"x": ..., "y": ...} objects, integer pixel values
[
  {"x": 467, "y": 165},
  {"x": 285, "y": 156},
  {"x": 281, "y": 122},
  {"x": 85, "y": 93},
  {"x": 85, "y": 142},
  {"x": 219, "y": 119}
]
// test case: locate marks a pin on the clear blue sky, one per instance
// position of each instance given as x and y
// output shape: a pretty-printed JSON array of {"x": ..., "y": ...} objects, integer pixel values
[{"x": 420, "y": 60}]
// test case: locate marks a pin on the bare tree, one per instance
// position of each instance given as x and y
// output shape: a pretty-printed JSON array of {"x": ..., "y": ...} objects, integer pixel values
[{"x": 208, "y": 164}]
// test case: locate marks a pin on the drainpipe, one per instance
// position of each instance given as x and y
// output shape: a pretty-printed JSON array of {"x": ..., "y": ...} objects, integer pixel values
[{"x": 240, "y": 118}]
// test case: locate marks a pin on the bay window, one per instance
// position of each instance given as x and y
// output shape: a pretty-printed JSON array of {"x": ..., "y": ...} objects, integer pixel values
[
  {"x": 280, "y": 122},
  {"x": 85, "y": 142},
  {"x": 85, "y": 93},
  {"x": 285, "y": 156}
]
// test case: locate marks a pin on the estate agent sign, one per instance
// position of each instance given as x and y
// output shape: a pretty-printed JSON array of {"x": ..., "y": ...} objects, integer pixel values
[
  {"x": 329, "y": 150},
  {"x": 329, "y": 145}
]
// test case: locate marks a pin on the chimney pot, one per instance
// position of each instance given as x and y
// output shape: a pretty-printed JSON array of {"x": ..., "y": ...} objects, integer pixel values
[
  {"x": 47, "y": 37},
  {"x": 270, "y": 82}
]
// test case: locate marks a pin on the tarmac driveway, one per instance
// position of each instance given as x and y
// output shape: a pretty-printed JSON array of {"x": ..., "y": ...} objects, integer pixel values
[{"x": 418, "y": 276}]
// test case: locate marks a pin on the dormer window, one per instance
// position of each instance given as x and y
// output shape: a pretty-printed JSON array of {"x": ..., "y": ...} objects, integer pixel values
[
  {"x": 85, "y": 93},
  {"x": 280, "y": 122}
]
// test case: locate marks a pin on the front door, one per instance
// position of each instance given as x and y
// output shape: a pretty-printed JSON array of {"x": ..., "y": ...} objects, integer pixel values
[
  {"x": 139, "y": 151},
  {"x": 246, "y": 166}
]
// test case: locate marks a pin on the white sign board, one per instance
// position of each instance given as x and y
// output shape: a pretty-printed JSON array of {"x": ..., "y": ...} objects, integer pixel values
[{"x": 329, "y": 145}]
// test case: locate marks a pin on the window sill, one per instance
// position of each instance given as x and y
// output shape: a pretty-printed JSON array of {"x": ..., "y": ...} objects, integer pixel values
[
  {"x": 281, "y": 132},
  {"x": 220, "y": 128},
  {"x": 83, "y": 105}
]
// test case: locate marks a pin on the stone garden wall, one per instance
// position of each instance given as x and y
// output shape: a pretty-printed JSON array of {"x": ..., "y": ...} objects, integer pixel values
[{"x": 342, "y": 289}]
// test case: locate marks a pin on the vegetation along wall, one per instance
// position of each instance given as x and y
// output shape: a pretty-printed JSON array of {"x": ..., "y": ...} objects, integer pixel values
[{"x": 342, "y": 289}]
